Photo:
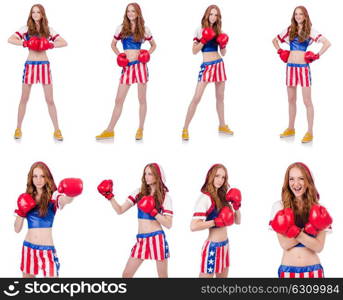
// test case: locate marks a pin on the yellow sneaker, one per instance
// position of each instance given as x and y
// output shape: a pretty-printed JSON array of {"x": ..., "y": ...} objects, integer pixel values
[
  {"x": 225, "y": 129},
  {"x": 139, "y": 134},
  {"x": 287, "y": 133},
  {"x": 17, "y": 134},
  {"x": 58, "y": 135},
  {"x": 105, "y": 135},
  {"x": 185, "y": 135},
  {"x": 308, "y": 137}
]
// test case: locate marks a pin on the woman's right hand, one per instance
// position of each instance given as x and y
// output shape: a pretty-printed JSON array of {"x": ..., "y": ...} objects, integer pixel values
[
  {"x": 105, "y": 188},
  {"x": 122, "y": 60},
  {"x": 207, "y": 35}
]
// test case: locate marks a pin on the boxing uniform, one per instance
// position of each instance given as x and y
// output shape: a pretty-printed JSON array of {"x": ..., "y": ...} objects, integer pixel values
[
  {"x": 298, "y": 74},
  {"x": 135, "y": 71},
  {"x": 36, "y": 71},
  {"x": 284, "y": 271},
  {"x": 214, "y": 255},
  {"x": 212, "y": 71},
  {"x": 41, "y": 257},
  {"x": 152, "y": 245}
]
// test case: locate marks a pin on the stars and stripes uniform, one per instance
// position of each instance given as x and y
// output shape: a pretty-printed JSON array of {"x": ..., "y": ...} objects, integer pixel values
[
  {"x": 214, "y": 257},
  {"x": 134, "y": 72},
  {"x": 313, "y": 271},
  {"x": 39, "y": 257},
  {"x": 151, "y": 245},
  {"x": 212, "y": 71}
]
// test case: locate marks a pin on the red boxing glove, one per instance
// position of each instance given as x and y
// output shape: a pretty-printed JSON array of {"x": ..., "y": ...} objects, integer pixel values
[
  {"x": 310, "y": 56},
  {"x": 25, "y": 204},
  {"x": 147, "y": 204},
  {"x": 234, "y": 196},
  {"x": 225, "y": 217},
  {"x": 222, "y": 40},
  {"x": 32, "y": 43},
  {"x": 72, "y": 187},
  {"x": 122, "y": 60},
  {"x": 284, "y": 54},
  {"x": 44, "y": 44},
  {"x": 105, "y": 188},
  {"x": 207, "y": 35},
  {"x": 144, "y": 56},
  {"x": 318, "y": 220},
  {"x": 283, "y": 223}
]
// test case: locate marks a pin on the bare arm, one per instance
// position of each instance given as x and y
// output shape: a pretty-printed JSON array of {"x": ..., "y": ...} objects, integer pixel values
[
  {"x": 197, "y": 46},
  {"x": 198, "y": 224},
  {"x": 18, "y": 224},
  {"x": 64, "y": 200},
  {"x": 237, "y": 217},
  {"x": 316, "y": 244},
  {"x": 223, "y": 51},
  {"x": 276, "y": 43},
  {"x": 14, "y": 39},
  {"x": 166, "y": 221},
  {"x": 326, "y": 45},
  {"x": 285, "y": 242},
  {"x": 114, "y": 46},
  {"x": 120, "y": 209},
  {"x": 60, "y": 42},
  {"x": 152, "y": 46}
]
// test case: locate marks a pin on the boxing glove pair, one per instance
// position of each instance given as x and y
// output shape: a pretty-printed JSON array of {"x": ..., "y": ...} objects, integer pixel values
[
  {"x": 143, "y": 57},
  {"x": 309, "y": 56},
  {"x": 318, "y": 220},
  {"x": 38, "y": 44},
  {"x": 209, "y": 34}
]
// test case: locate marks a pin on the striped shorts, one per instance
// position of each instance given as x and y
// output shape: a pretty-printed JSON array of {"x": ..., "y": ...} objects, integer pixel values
[
  {"x": 298, "y": 74},
  {"x": 151, "y": 245},
  {"x": 37, "y": 257},
  {"x": 314, "y": 271},
  {"x": 134, "y": 72},
  {"x": 212, "y": 71},
  {"x": 37, "y": 72},
  {"x": 214, "y": 257}
]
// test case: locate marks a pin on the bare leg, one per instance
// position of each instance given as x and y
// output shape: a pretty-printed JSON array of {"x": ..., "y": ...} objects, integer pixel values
[
  {"x": 223, "y": 274},
  {"x": 306, "y": 91},
  {"x": 142, "y": 103},
  {"x": 131, "y": 267},
  {"x": 220, "y": 88},
  {"x": 292, "y": 105},
  {"x": 48, "y": 93},
  {"x": 118, "y": 107},
  {"x": 162, "y": 268},
  {"x": 194, "y": 103},
  {"x": 205, "y": 275},
  {"x": 28, "y": 275},
  {"x": 25, "y": 95}
]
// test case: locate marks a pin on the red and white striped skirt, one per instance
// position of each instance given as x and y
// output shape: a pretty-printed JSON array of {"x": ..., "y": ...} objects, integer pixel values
[
  {"x": 298, "y": 74},
  {"x": 313, "y": 271},
  {"x": 212, "y": 71},
  {"x": 214, "y": 257},
  {"x": 37, "y": 72},
  {"x": 134, "y": 72}
]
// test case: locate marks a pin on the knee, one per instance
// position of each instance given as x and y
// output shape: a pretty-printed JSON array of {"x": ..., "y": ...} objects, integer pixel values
[
  {"x": 308, "y": 102},
  {"x": 196, "y": 100},
  {"x": 126, "y": 274},
  {"x": 142, "y": 100},
  {"x": 292, "y": 100},
  {"x": 49, "y": 101}
]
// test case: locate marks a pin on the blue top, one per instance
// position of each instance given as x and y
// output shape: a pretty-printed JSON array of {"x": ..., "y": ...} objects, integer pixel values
[
  {"x": 34, "y": 220},
  {"x": 129, "y": 43},
  {"x": 210, "y": 46},
  {"x": 295, "y": 45}
]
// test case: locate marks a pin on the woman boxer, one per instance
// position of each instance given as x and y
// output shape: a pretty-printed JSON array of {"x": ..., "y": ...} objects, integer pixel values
[
  {"x": 299, "y": 35},
  {"x": 301, "y": 224},
  {"x": 154, "y": 211},
  {"x": 207, "y": 39},
  {"x": 38, "y": 37},
  {"x": 133, "y": 33},
  {"x": 39, "y": 205},
  {"x": 217, "y": 207}
]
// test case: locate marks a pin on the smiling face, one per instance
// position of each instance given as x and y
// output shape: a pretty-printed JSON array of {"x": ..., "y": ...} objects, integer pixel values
[
  {"x": 299, "y": 16},
  {"x": 296, "y": 182},
  {"x": 219, "y": 178},
  {"x": 38, "y": 178},
  {"x": 149, "y": 176},
  {"x": 36, "y": 14},
  {"x": 213, "y": 16},
  {"x": 131, "y": 13}
]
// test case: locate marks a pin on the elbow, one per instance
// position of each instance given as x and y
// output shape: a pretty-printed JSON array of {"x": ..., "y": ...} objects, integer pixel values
[
  {"x": 65, "y": 44},
  {"x": 193, "y": 228},
  {"x": 17, "y": 229},
  {"x": 319, "y": 249}
]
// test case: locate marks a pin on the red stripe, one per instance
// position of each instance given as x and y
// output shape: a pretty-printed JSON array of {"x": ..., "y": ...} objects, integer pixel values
[
  {"x": 160, "y": 245},
  {"x": 204, "y": 255},
  {"x": 301, "y": 76},
  {"x": 139, "y": 73},
  {"x": 292, "y": 275},
  {"x": 22, "y": 259},
  {"x": 28, "y": 260},
  {"x": 41, "y": 255},
  {"x": 311, "y": 274},
  {"x": 21, "y": 37},
  {"x": 147, "y": 248},
  {"x": 218, "y": 258},
  {"x": 282, "y": 275},
  {"x": 51, "y": 264},
  {"x": 198, "y": 214},
  {"x": 301, "y": 275},
  {"x": 35, "y": 261},
  {"x": 33, "y": 71},
  {"x": 155, "y": 250},
  {"x": 307, "y": 77},
  {"x": 320, "y": 273}
]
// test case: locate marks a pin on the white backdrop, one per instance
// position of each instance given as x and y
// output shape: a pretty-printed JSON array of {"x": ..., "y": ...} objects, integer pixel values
[{"x": 91, "y": 240}]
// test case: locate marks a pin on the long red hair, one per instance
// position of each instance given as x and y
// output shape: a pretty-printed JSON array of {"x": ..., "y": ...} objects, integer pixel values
[
  {"x": 139, "y": 31},
  {"x": 309, "y": 198},
  {"x": 217, "y": 195},
  {"x": 48, "y": 188},
  {"x": 305, "y": 32},
  {"x": 43, "y": 28},
  {"x": 205, "y": 23}
]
